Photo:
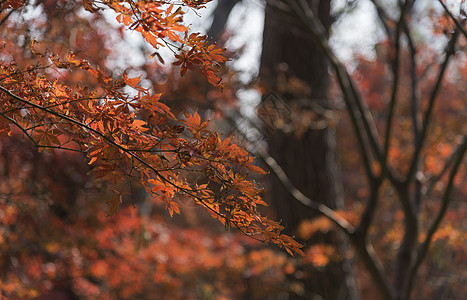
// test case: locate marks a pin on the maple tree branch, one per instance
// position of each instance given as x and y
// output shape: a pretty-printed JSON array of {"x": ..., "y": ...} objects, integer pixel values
[
  {"x": 414, "y": 113},
  {"x": 405, "y": 253},
  {"x": 60, "y": 148},
  {"x": 279, "y": 173},
  {"x": 276, "y": 239},
  {"x": 425, "y": 246},
  {"x": 19, "y": 127},
  {"x": 56, "y": 104},
  {"x": 410, "y": 209},
  {"x": 367, "y": 118},
  {"x": 363, "y": 245},
  {"x": 134, "y": 7},
  {"x": 82, "y": 125},
  {"x": 449, "y": 52}
]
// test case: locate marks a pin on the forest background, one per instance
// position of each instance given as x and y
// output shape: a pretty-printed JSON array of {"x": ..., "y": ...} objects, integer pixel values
[{"x": 100, "y": 154}]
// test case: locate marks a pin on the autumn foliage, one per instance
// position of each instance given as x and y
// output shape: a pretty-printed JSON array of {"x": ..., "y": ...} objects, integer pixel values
[
  {"x": 106, "y": 123},
  {"x": 57, "y": 241},
  {"x": 96, "y": 163},
  {"x": 67, "y": 106}
]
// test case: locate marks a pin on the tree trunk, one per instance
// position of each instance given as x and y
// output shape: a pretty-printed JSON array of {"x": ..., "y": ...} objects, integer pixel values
[
  {"x": 220, "y": 16},
  {"x": 296, "y": 72},
  {"x": 302, "y": 140}
]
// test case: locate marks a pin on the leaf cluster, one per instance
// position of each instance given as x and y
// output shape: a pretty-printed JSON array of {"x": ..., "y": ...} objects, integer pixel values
[{"x": 132, "y": 136}]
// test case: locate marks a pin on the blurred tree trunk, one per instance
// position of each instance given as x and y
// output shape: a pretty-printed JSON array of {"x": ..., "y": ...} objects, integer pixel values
[
  {"x": 220, "y": 16},
  {"x": 303, "y": 144},
  {"x": 294, "y": 71}
]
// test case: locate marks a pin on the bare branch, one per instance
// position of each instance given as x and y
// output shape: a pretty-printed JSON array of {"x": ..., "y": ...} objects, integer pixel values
[
  {"x": 449, "y": 52},
  {"x": 374, "y": 266},
  {"x": 7, "y": 16},
  {"x": 458, "y": 25},
  {"x": 395, "y": 85},
  {"x": 425, "y": 246},
  {"x": 279, "y": 173},
  {"x": 370, "y": 208},
  {"x": 354, "y": 106},
  {"x": 276, "y": 169},
  {"x": 414, "y": 109},
  {"x": 383, "y": 18},
  {"x": 449, "y": 161}
]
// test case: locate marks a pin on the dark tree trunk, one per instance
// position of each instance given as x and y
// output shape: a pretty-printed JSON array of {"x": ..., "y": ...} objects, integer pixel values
[
  {"x": 220, "y": 16},
  {"x": 296, "y": 70}
]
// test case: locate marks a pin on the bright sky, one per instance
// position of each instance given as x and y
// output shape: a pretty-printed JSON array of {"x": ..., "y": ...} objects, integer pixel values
[{"x": 353, "y": 33}]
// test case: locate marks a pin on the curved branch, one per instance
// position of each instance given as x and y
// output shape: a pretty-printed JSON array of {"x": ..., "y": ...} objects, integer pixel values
[
  {"x": 276, "y": 169},
  {"x": 82, "y": 125},
  {"x": 20, "y": 128},
  {"x": 374, "y": 266}
]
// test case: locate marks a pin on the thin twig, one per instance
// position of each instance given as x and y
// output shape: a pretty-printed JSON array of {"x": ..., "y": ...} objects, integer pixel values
[
  {"x": 19, "y": 127},
  {"x": 446, "y": 167},
  {"x": 277, "y": 170},
  {"x": 395, "y": 85},
  {"x": 414, "y": 103}
]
